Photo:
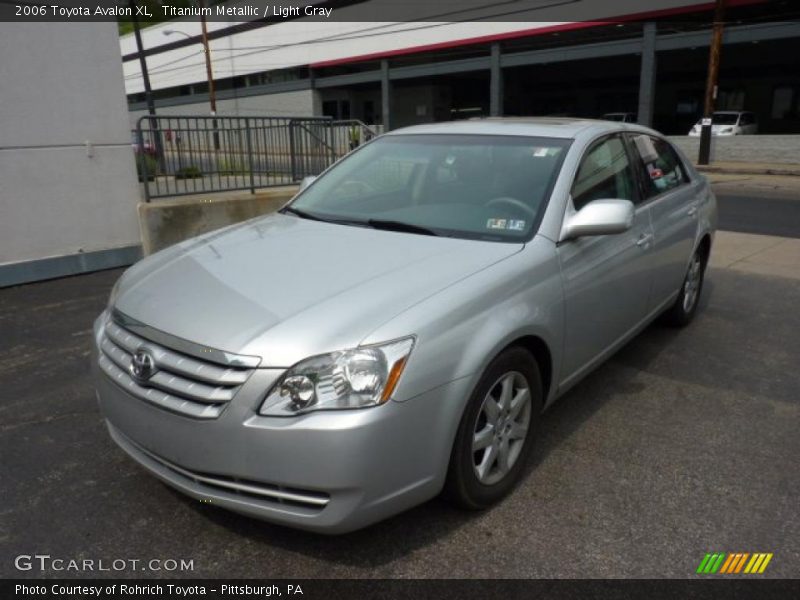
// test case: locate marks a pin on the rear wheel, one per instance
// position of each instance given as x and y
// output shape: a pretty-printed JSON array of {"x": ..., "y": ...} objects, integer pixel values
[
  {"x": 496, "y": 432},
  {"x": 683, "y": 310}
]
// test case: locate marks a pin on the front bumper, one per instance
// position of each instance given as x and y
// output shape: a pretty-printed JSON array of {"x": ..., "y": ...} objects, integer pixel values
[
  {"x": 330, "y": 472},
  {"x": 713, "y": 133}
]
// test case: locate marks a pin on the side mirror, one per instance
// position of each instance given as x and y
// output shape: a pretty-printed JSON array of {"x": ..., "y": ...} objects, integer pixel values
[
  {"x": 599, "y": 217},
  {"x": 306, "y": 181}
]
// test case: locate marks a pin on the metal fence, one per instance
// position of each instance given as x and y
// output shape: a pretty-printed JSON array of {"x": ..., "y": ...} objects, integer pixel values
[{"x": 182, "y": 155}]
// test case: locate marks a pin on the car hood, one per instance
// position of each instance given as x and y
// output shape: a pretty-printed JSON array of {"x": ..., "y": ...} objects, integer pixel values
[{"x": 285, "y": 288}]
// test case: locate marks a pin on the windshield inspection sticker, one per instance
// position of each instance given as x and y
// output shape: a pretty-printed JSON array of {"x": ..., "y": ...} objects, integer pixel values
[{"x": 506, "y": 224}]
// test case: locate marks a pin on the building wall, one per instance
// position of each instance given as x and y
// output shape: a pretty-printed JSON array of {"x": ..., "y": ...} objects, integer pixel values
[
  {"x": 57, "y": 201},
  {"x": 286, "y": 43}
]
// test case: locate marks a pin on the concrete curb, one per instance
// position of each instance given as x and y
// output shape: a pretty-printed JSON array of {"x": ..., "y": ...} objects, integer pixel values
[{"x": 787, "y": 171}]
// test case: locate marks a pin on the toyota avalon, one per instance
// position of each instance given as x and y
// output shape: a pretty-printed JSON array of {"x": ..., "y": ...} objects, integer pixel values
[{"x": 397, "y": 329}]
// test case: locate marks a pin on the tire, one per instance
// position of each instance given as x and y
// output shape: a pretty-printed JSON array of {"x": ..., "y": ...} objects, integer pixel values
[
  {"x": 682, "y": 311},
  {"x": 476, "y": 479}
]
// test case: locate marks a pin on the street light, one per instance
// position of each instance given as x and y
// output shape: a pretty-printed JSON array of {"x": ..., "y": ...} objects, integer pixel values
[
  {"x": 171, "y": 31},
  {"x": 212, "y": 96}
]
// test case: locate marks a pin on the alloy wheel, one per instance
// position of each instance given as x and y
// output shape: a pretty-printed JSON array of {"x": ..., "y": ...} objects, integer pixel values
[
  {"x": 501, "y": 428},
  {"x": 691, "y": 288}
]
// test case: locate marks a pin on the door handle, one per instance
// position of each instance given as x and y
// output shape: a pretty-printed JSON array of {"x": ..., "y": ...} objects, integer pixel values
[
  {"x": 692, "y": 211},
  {"x": 644, "y": 240}
]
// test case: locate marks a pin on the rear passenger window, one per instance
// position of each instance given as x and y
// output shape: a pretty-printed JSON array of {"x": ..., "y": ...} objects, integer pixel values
[
  {"x": 660, "y": 166},
  {"x": 605, "y": 172}
]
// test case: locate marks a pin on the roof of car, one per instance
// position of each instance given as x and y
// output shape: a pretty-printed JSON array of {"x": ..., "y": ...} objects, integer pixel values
[{"x": 555, "y": 127}]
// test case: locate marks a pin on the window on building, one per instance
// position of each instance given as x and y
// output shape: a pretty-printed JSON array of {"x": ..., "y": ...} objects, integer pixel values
[
  {"x": 369, "y": 112},
  {"x": 784, "y": 103},
  {"x": 689, "y": 102},
  {"x": 730, "y": 99},
  {"x": 329, "y": 108}
]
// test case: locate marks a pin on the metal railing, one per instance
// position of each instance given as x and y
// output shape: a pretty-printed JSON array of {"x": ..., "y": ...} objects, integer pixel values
[
  {"x": 185, "y": 155},
  {"x": 347, "y": 135}
]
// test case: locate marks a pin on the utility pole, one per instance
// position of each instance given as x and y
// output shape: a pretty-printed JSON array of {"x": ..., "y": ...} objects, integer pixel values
[
  {"x": 711, "y": 84},
  {"x": 148, "y": 92},
  {"x": 212, "y": 96}
]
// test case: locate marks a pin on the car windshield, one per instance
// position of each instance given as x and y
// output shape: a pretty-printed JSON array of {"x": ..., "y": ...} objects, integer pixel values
[
  {"x": 469, "y": 186},
  {"x": 725, "y": 118}
]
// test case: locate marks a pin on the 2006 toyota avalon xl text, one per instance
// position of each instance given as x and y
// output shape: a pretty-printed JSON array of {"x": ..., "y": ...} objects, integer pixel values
[{"x": 398, "y": 328}]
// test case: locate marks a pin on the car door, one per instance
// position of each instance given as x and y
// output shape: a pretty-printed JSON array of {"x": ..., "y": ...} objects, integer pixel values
[
  {"x": 673, "y": 202},
  {"x": 747, "y": 122},
  {"x": 606, "y": 278}
]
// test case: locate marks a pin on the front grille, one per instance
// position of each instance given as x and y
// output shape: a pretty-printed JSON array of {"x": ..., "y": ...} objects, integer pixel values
[
  {"x": 180, "y": 383},
  {"x": 313, "y": 501}
]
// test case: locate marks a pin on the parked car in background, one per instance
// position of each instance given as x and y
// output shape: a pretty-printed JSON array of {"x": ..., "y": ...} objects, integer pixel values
[
  {"x": 398, "y": 328},
  {"x": 142, "y": 146},
  {"x": 729, "y": 122},
  {"x": 620, "y": 117}
]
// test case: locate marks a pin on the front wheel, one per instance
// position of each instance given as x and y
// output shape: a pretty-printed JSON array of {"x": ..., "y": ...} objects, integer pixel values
[
  {"x": 683, "y": 310},
  {"x": 496, "y": 433}
]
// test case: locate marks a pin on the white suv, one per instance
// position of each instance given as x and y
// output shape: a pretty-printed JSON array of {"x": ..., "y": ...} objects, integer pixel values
[{"x": 729, "y": 122}]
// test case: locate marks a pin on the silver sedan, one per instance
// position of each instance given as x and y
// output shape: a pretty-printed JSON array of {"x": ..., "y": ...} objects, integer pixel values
[{"x": 398, "y": 328}]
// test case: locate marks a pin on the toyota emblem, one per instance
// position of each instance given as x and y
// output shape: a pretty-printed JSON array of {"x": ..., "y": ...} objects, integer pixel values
[{"x": 143, "y": 367}]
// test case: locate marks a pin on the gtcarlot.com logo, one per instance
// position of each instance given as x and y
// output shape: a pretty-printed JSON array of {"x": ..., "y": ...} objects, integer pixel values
[
  {"x": 734, "y": 563},
  {"x": 45, "y": 562}
]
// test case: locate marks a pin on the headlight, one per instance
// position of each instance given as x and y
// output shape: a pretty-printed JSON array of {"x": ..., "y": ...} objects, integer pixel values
[{"x": 357, "y": 378}]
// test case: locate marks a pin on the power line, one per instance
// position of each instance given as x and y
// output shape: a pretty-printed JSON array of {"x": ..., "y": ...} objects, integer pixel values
[
  {"x": 172, "y": 62},
  {"x": 361, "y": 35}
]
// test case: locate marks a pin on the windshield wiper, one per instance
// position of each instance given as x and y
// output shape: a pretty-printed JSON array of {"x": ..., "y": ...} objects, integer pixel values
[
  {"x": 400, "y": 226},
  {"x": 374, "y": 223},
  {"x": 302, "y": 214}
]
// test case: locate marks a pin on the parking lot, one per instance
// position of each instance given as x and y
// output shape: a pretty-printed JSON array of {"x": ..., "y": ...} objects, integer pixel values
[{"x": 686, "y": 442}]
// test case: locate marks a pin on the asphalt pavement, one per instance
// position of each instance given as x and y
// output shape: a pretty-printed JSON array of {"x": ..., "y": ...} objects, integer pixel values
[
  {"x": 685, "y": 442},
  {"x": 763, "y": 212},
  {"x": 758, "y": 204}
]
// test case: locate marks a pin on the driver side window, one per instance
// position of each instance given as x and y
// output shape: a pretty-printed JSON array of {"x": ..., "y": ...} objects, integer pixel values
[{"x": 605, "y": 172}]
